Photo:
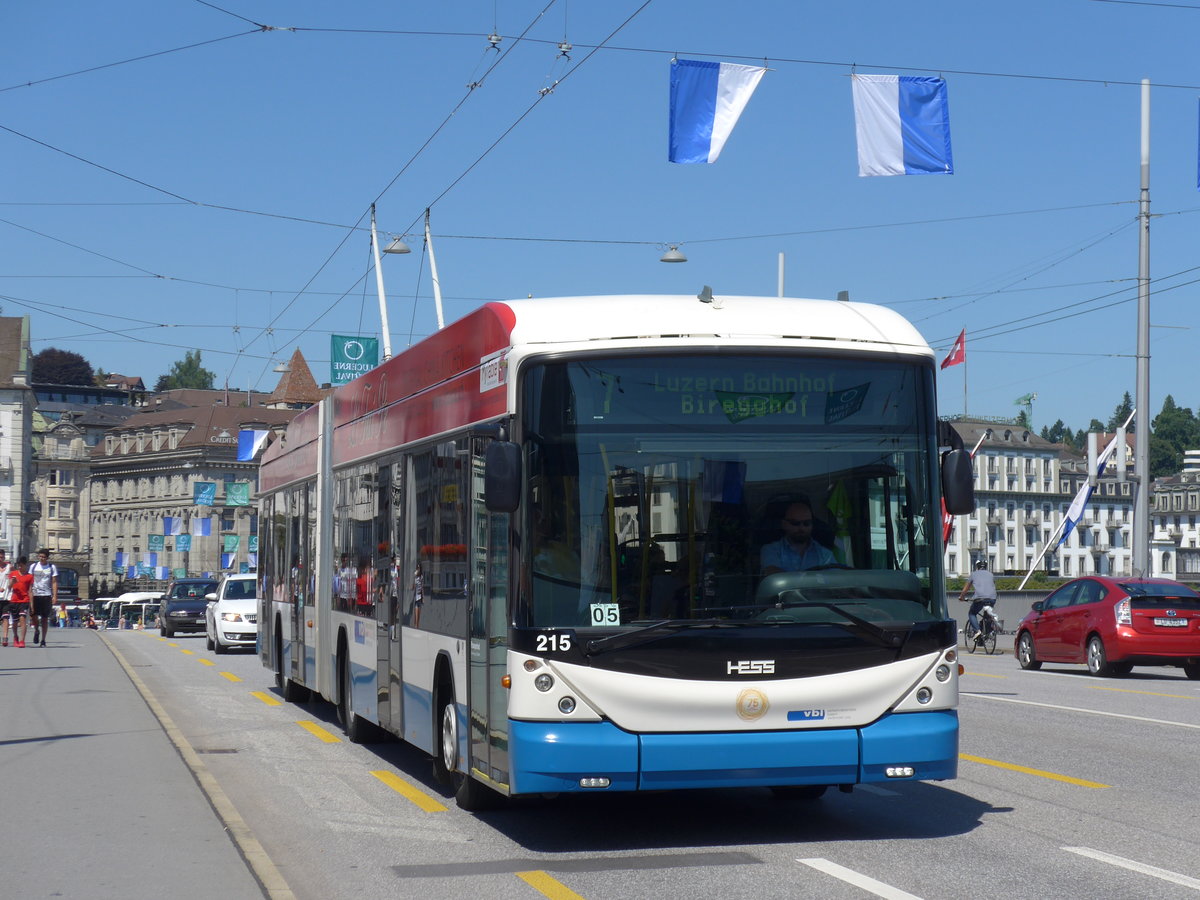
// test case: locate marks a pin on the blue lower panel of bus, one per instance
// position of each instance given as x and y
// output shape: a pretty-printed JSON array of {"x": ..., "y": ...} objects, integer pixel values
[
  {"x": 551, "y": 757},
  {"x": 926, "y": 741}
]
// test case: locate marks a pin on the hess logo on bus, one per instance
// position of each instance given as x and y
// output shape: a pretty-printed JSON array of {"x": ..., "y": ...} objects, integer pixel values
[{"x": 750, "y": 667}]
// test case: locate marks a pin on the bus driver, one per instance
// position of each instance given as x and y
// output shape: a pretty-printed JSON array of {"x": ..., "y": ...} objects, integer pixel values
[{"x": 796, "y": 550}]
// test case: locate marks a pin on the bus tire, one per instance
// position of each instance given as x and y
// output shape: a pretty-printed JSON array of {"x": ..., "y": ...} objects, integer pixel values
[
  {"x": 291, "y": 691},
  {"x": 445, "y": 731},
  {"x": 475, "y": 796},
  {"x": 354, "y": 727}
]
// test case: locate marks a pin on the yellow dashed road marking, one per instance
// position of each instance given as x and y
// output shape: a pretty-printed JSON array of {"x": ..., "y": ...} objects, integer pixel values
[
  {"x": 408, "y": 792},
  {"x": 1053, "y": 776},
  {"x": 265, "y": 698},
  {"x": 315, "y": 729},
  {"x": 1148, "y": 693},
  {"x": 229, "y": 675},
  {"x": 547, "y": 886}
]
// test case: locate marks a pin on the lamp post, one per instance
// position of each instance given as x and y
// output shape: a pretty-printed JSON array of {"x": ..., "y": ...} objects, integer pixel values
[{"x": 396, "y": 246}]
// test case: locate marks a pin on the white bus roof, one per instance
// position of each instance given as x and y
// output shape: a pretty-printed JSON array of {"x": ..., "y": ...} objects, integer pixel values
[{"x": 631, "y": 316}]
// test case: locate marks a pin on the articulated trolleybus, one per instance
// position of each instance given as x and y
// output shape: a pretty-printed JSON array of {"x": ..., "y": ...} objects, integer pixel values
[{"x": 628, "y": 543}]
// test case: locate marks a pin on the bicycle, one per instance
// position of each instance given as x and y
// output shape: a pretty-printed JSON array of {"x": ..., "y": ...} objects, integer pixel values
[{"x": 985, "y": 635}]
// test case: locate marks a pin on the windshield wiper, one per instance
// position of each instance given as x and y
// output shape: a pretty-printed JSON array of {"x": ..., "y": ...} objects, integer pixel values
[
  {"x": 653, "y": 632},
  {"x": 886, "y": 637}
]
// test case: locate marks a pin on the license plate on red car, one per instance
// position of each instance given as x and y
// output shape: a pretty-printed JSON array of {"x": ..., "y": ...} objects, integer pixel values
[{"x": 1172, "y": 623}]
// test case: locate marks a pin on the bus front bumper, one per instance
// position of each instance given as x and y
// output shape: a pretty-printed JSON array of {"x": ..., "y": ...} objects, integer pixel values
[{"x": 551, "y": 757}]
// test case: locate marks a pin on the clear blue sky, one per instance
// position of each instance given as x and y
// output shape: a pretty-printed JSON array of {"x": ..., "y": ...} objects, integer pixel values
[{"x": 205, "y": 198}]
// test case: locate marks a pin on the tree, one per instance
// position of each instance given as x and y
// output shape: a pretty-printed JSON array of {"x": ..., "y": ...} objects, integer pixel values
[
  {"x": 1173, "y": 430},
  {"x": 54, "y": 366},
  {"x": 1121, "y": 413},
  {"x": 1059, "y": 433},
  {"x": 186, "y": 373}
]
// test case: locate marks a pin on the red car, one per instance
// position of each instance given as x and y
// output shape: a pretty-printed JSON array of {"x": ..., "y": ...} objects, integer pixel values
[{"x": 1113, "y": 624}]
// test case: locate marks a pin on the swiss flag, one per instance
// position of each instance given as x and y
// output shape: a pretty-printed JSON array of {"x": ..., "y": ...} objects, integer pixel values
[{"x": 958, "y": 353}]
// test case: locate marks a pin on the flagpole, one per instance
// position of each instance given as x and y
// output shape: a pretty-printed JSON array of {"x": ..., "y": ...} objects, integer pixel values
[
  {"x": 964, "y": 378},
  {"x": 1103, "y": 458}
]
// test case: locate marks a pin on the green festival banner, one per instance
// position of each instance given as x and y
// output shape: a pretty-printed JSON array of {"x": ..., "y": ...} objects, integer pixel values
[
  {"x": 231, "y": 543},
  {"x": 204, "y": 493},
  {"x": 237, "y": 493},
  {"x": 351, "y": 356},
  {"x": 155, "y": 542},
  {"x": 183, "y": 542}
]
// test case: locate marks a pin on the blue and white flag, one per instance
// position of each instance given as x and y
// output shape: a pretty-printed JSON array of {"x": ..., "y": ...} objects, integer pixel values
[
  {"x": 201, "y": 527},
  {"x": 706, "y": 100},
  {"x": 1083, "y": 495},
  {"x": 250, "y": 441},
  {"x": 902, "y": 123},
  {"x": 172, "y": 525}
]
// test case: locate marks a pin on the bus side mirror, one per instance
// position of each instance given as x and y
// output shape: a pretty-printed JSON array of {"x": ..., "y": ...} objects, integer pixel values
[
  {"x": 958, "y": 482},
  {"x": 502, "y": 477}
]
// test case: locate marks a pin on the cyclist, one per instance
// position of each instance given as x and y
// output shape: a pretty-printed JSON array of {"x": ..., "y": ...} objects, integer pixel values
[{"x": 985, "y": 592}]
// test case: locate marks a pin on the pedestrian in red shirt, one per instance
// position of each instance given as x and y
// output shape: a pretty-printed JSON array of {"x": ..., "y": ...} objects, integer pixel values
[{"x": 21, "y": 582}]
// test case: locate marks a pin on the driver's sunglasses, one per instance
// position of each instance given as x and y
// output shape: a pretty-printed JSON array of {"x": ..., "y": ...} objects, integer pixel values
[{"x": 798, "y": 523}]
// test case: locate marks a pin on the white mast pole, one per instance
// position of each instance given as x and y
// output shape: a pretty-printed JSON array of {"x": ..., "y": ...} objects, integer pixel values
[
  {"x": 433, "y": 273},
  {"x": 383, "y": 316}
]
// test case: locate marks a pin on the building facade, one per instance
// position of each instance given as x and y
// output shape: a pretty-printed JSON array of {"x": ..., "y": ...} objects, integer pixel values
[
  {"x": 1024, "y": 486},
  {"x": 150, "y": 474},
  {"x": 18, "y": 511}
]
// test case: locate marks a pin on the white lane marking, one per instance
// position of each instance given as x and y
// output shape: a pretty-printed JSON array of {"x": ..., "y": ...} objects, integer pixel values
[
  {"x": 878, "y": 888},
  {"x": 1143, "y": 868},
  {"x": 1090, "y": 712}
]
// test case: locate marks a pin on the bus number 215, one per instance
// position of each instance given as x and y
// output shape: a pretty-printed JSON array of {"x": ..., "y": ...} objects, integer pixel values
[{"x": 552, "y": 643}]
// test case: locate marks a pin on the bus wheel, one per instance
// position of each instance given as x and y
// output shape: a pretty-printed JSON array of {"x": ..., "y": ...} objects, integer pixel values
[
  {"x": 292, "y": 692},
  {"x": 475, "y": 796},
  {"x": 278, "y": 658},
  {"x": 354, "y": 727},
  {"x": 445, "y": 729}
]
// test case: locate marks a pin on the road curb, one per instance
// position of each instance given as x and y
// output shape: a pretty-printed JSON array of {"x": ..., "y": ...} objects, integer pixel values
[{"x": 261, "y": 867}]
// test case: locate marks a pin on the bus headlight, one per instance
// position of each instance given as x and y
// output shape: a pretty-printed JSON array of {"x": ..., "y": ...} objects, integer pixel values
[
  {"x": 544, "y": 682},
  {"x": 924, "y": 695},
  {"x": 566, "y": 705},
  {"x": 942, "y": 673}
]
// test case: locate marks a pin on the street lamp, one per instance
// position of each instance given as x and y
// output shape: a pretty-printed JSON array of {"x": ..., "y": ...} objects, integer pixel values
[
  {"x": 396, "y": 245},
  {"x": 673, "y": 255}
]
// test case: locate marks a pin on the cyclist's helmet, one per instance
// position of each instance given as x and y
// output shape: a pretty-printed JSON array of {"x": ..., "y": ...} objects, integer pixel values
[{"x": 981, "y": 564}]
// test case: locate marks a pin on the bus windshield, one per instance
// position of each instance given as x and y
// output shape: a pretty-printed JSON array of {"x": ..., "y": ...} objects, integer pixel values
[{"x": 725, "y": 489}]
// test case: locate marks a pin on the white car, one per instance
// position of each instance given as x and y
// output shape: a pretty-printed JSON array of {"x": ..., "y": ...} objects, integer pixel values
[{"x": 231, "y": 619}]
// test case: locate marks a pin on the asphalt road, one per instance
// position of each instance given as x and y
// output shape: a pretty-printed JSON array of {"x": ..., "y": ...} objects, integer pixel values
[{"x": 1068, "y": 786}]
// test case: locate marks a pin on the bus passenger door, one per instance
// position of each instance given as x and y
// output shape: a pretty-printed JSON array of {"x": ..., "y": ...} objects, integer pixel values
[{"x": 489, "y": 560}]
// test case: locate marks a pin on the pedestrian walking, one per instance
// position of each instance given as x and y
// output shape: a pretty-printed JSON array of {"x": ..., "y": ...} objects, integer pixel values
[
  {"x": 45, "y": 595},
  {"x": 20, "y": 583}
]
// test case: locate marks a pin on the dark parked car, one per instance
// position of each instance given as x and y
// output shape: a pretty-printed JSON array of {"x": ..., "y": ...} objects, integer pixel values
[
  {"x": 1113, "y": 624},
  {"x": 184, "y": 604}
]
